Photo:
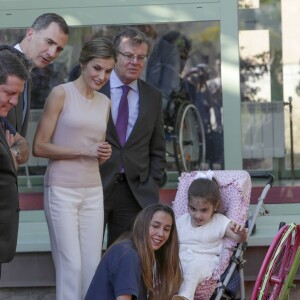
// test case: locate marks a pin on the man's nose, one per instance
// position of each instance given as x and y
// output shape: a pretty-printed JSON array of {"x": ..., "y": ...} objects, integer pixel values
[
  {"x": 134, "y": 59},
  {"x": 52, "y": 51},
  {"x": 14, "y": 100}
]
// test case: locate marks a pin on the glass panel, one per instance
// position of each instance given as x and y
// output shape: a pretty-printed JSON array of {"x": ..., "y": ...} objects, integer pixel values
[
  {"x": 255, "y": 71},
  {"x": 185, "y": 62},
  {"x": 281, "y": 20},
  {"x": 248, "y": 4},
  {"x": 261, "y": 83},
  {"x": 291, "y": 79}
]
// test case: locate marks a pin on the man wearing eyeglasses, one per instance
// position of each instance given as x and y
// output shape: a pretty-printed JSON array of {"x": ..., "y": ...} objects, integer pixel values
[{"x": 132, "y": 176}]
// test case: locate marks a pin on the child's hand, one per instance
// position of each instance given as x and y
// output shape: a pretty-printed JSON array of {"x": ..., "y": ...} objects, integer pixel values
[
  {"x": 236, "y": 228},
  {"x": 238, "y": 232}
]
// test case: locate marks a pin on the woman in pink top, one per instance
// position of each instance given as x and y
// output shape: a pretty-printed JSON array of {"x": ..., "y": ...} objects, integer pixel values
[{"x": 71, "y": 134}]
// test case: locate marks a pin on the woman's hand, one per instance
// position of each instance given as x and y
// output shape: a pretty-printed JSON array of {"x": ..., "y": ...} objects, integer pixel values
[{"x": 104, "y": 152}]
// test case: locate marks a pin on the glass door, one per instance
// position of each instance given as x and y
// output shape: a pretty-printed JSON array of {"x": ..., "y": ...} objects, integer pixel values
[{"x": 269, "y": 45}]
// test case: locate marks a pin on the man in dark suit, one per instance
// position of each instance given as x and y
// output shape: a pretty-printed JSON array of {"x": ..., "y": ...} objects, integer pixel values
[
  {"x": 42, "y": 43},
  {"x": 13, "y": 74},
  {"x": 131, "y": 177}
]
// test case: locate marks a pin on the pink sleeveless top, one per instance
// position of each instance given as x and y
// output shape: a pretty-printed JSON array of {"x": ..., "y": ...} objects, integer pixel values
[{"x": 82, "y": 123}]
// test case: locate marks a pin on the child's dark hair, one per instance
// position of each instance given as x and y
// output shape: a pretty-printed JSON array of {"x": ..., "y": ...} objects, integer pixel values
[{"x": 207, "y": 189}]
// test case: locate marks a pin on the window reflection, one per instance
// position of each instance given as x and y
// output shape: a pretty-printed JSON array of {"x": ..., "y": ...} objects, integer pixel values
[
  {"x": 185, "y": 59},
  {"x": 278, "y": 21},
  {"x": 248, "y": 4}
]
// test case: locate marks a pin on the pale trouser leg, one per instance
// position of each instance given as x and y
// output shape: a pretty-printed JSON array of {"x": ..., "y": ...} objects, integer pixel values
[
  {"x": 91, "y": 219},
  {"x": 195, "y": 270},
  {"x": 62, "y": 206}
]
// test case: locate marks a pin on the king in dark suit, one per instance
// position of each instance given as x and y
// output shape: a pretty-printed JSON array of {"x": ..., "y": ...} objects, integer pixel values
[
  {"x": 42, "y": 43},
  {"x": 131, "y": 177}
]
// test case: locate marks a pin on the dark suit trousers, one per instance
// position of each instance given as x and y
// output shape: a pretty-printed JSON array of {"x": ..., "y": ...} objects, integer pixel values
[{"x": 120, "y": 210}]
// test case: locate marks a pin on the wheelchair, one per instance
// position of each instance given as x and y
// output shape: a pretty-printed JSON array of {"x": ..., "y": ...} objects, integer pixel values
[
  {"x": 184, "y": 126},
  {"x": 279, "y": 268}
]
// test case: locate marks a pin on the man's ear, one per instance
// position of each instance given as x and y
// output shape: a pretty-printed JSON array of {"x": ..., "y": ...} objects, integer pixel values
[{"x": 29, "y": 33}]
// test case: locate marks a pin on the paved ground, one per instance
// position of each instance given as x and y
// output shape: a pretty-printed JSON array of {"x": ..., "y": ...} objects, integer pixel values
[
  {"x": 48, "y": 293},
  {"x": 27, "y": 293}
]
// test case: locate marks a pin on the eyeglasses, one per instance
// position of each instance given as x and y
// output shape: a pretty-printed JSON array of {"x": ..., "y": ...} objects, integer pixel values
[{"x": 130, "y": 57}]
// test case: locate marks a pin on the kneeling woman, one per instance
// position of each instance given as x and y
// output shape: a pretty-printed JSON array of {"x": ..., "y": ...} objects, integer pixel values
[{"x": 143, "y": 264}]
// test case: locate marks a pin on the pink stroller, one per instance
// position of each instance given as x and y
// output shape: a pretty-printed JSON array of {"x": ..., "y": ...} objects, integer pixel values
[{"x": 235, "y": 187}]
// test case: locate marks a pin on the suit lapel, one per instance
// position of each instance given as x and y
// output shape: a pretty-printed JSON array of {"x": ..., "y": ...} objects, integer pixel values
[
  {"x": 111, "y": 129},
  {"x": 28, "y": 93},
  {"x": 6, "y": 147},
  {"x": 143, "y": 104},
  {"x": 106, "y": 90},
  {"x": 19, "y": 112}
]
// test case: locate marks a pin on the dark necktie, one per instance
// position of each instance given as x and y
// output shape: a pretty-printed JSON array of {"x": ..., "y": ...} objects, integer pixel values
[{"x": 123, "y": 112}]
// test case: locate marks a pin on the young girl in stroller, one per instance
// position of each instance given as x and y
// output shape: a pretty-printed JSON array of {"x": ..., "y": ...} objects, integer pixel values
[{"x": 201, "y": 233}]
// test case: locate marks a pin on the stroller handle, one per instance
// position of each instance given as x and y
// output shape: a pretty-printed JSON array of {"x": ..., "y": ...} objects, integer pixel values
[{"x": 263, "y": 175}]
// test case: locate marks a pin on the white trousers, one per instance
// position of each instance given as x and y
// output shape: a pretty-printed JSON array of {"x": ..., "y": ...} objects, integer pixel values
[{"x": 75, "y": 222}]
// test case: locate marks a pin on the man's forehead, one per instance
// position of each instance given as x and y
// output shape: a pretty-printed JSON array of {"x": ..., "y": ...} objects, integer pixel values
[
  {"x": 127, "y": 43},
  {"x": 53, "y": 31},
  {"x": 12, "y": 82}
]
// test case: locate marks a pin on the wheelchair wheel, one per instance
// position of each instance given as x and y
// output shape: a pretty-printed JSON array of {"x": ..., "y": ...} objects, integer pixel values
[
  {"x": 289, "y": 281},
  {"x": 280, "y": 265},
  {"x": 189, "y": 145}
]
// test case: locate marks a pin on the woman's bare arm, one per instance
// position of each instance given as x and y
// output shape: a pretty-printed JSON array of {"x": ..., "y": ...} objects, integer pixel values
[{"x": 42, "y": 146}]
